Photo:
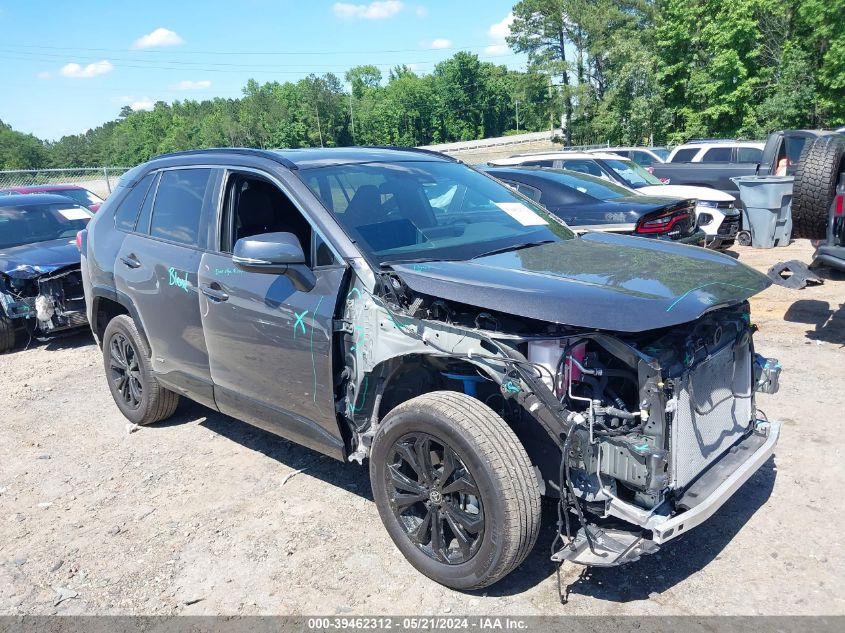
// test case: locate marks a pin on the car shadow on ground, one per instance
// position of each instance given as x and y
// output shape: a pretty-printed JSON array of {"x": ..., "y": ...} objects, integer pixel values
[
  {"x": 350, "y": 477},
  {"x": 828, "y": 323},
  {"x": 635, "y": 581}
]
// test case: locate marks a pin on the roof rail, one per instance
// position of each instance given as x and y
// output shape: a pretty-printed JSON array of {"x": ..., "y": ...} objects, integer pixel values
[
  {"x": 701, "y": 141},
  {"x": 420, "y": 150},
  {"x": 247, "y": 151}
]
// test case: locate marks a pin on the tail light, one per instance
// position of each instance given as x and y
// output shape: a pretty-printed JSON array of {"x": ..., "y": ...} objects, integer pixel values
[
  {"x": 839, "y": 205},
  {"x": 80, "y": 240},
  {"x": 663, "y": 221}
]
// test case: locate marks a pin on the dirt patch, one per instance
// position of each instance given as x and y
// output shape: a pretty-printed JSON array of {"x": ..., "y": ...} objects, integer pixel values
[{"x": 199, "y": 515}]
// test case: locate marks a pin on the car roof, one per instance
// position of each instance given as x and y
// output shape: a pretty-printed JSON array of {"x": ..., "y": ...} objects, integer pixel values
[
  {"x": 518, "y": 158},
  {"x": 37, "y": 188},
  {"x": 710, "y": 144},
  {"x": 550, "y": 175},
  {"x": 321, "y": 156},
  {"x": 34, "y": 200}
]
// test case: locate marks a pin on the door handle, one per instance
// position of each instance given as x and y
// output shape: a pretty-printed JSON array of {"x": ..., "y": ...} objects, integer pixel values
[
  {"x": 214, "y": 292},
  {"x": 131, "y": 261}
]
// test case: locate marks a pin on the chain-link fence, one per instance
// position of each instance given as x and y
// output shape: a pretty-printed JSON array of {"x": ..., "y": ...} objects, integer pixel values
[{"x": 99, "y": 180}]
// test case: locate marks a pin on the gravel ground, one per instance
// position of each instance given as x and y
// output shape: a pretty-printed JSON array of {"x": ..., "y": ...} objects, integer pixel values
[{"x": 206, "y": 515}]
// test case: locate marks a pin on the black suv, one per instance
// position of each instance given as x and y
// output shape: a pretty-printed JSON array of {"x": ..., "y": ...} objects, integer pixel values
[{"x": 399, "y": 306}]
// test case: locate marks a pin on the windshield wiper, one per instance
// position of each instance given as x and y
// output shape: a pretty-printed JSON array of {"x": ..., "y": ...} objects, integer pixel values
[
  {"x": 513, "y": 247},
  {"x": 419, "y": 260}
]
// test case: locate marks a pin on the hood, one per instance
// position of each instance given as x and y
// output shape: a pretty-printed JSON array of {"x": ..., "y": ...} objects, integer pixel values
[
  {"x": 599, "y": 281},
  {"x": 687, "y": 191},
  {"x": 33, "y": 260}
]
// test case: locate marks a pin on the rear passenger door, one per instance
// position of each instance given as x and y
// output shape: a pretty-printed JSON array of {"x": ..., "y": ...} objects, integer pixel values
[
  {"x": 157, "y": 268},
  {"x": 270, "y": 344}
]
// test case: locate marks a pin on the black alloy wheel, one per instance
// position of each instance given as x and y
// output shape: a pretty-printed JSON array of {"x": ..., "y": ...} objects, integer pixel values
[
  {"x": 125, "y": 372},
  {"x": 435, "y": 498},
  {"x": 455, "y": 489}
]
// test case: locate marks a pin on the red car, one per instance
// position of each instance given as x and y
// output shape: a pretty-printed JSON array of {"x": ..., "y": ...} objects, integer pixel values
[{"x": 79, "y": 195}]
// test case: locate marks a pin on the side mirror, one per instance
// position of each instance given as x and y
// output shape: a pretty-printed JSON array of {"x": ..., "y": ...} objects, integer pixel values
[{"x": 275, "y": 254}]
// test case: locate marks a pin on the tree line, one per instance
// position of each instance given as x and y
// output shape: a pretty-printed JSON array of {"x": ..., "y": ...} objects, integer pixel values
[{"x": 622, "y": 71}]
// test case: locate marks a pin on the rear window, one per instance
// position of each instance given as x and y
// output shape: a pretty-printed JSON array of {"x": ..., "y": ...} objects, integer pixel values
[
  {"x": 717, "y": 155},
  {"x": 684, "y": 155},
  {"x": 41, "y": 223},
  {"x": 178, "y": 205}
]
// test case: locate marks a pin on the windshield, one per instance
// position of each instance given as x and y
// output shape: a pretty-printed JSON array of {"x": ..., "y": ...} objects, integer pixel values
[
  {"x": 82, "y": 196},
  {"x": 40, "y": 223},
  {"x": 634, "y": 175},
  {"x": 419, "y": 211},
  {"x": 590, "y": 185},
  {"x": 662, "y": 152}
]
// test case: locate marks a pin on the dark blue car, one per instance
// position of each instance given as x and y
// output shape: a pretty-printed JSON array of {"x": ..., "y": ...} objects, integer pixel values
[
  {"x": 40, "y": 283},
  {"x": 588, "y": 203}
]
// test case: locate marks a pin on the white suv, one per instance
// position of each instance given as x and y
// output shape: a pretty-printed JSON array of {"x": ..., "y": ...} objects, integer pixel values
[{"x": 717, "y": 152}]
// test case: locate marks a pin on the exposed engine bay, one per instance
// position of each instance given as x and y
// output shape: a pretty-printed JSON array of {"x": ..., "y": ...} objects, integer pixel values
[
  {"x": 631, "y": 432},
  {"x": 43, "y": 303}
]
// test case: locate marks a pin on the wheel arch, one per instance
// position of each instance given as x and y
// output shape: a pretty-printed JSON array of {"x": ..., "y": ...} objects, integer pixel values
[
  {"x": 399, "y": 379},
  {"x": 107, "y": 304}
]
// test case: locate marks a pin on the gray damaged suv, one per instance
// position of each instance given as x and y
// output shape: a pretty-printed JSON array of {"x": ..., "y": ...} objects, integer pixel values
[{"x": 399, "y": 306}]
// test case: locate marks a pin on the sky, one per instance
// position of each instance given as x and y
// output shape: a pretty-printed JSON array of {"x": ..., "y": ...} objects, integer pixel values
[{"x": 66, "y": 67}]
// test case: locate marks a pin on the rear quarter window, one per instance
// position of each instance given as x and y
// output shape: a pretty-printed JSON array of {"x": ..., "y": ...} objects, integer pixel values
[
  {"x": 749, "y": 155},
  {"x": 717, "y": 155},
  {"x": 127, "y": 212},
  {"x": 684, "y": 155}
]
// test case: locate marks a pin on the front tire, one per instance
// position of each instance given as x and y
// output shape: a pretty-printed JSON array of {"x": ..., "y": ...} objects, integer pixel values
[
  {"x": 136, "y": 392},
  {"x": 455, "y": 489},
  {"x": 7, "y": 334}
]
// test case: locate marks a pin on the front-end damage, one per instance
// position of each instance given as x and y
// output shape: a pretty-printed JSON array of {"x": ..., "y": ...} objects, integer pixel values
[
  {"x": 43, "y": 301},
  {"x": 640, "y": 436}
]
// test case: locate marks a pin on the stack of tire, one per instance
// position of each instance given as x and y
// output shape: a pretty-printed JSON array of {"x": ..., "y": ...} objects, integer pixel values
[{"x": 821, "y": 165}]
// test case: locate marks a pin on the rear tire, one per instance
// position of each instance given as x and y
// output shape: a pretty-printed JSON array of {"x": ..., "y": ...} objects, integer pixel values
[
  {"x": 136, "y": 392},
  {"x": 491, "y": 488},
  {"x": 816, "y": 176},
  {"x": 7, "y": 334}
]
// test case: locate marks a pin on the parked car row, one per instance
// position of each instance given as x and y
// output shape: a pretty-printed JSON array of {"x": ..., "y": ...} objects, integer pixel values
[
  {"x": 716, "y": 212},
  {"x": 443, "y": 322}
]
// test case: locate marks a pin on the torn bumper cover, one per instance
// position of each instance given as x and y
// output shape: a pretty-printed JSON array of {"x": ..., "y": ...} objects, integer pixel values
[
  {"x": 45, "y": 302},
  {"x": 606, "y": 547}
]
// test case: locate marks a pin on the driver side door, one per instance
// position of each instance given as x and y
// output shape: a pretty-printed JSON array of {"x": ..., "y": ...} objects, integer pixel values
[{"x": 269, "y": 344}]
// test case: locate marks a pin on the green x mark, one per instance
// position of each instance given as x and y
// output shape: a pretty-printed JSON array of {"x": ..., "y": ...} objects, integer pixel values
[{"x": 299, "y": 323}]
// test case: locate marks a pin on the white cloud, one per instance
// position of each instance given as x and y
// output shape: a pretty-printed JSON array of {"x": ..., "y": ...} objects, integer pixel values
[
  {"x": 43, "y": 74},
  {"x": 145, "y": 103},
  {"x": 187, "y": 84},
  {"x": 75, "y": 71},
  {"x": 440, "y": 43},
  {"x": 497, "y": 49},
  {"x": 421, "y": 11},
  {"x": 378, "y": 10},
  {"x": 501, "y": 30},
  {"x": 159, "y": 37}
]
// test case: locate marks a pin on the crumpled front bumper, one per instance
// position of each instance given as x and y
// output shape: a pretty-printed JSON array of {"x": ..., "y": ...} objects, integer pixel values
[{"x": 612, "y": 546}]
